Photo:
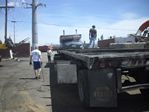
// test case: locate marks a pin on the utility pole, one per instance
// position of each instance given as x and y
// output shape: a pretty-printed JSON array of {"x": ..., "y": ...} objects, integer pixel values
[
  {"x": 34, "y": 25},
  {"x": 34, "y": 7},
  {"x": 6, "y": 16},
  {"x": 6, "y": 19},
  {"x": 14, "y": 25}
]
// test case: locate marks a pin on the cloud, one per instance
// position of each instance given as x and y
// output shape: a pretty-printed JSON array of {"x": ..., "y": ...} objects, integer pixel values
[
  {"x": 49, "y": 33},
  {"x": 129, "y": 15},
  {"x": 23, "y": 1},
  {"x": 15, "y": 4},
  {"x": 123, "y": 27},
  {"x": 11, "y": 4}
]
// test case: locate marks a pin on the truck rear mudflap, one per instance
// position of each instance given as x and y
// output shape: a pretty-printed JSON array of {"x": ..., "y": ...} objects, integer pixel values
[{"x": 97, "y": 88}]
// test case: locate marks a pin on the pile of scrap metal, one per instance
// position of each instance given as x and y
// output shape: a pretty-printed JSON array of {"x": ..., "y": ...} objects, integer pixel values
[
  {"x": 8, "y": 46},
  {"x": 141, "y": 39},
  {"x": 70, "y": 41},
  {"x": 138, "y": 40},
  {"x": 142, "y": 34}
]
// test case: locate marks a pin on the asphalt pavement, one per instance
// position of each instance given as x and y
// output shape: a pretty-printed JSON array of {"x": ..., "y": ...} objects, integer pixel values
[{"x": 19, "y": 91}]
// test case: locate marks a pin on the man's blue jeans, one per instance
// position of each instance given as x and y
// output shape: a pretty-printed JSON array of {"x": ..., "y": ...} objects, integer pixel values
[{"x": 92, "y": 42}]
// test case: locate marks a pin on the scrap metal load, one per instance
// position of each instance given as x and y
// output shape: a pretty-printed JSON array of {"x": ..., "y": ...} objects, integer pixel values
[
  {"x": 70, "y": 41},
  {"x": 66, "y": 38},
  {"x": 142, "y": 34},
  {"x": 140, "y": 38}
]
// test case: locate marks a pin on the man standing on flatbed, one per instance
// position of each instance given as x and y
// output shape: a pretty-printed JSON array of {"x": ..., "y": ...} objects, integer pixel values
[
  {"x": 36, "y": 59},
  {"x": 92, "y": 36}
]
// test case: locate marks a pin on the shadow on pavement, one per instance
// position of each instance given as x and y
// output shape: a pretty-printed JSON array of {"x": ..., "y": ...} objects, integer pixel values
[
  {"x": 27, "y": 78},
  {"x": 46, "y": 85},
  {"x": 1, "y": 65},
  {"x": 46, "y": 97}
]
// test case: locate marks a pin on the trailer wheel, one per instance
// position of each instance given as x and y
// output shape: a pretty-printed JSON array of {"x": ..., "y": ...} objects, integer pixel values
[
  {"x": 142, "y": 76},
  {"x": 83, "y": 88},
  {"x": 145, "y": 92}
]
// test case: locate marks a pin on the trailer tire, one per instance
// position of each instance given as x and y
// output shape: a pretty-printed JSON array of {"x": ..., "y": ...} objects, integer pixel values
[
  {"x": 83, "y": 88},
  {"x": 145, "y": 92},
  {"x": 143, "y": 77}
]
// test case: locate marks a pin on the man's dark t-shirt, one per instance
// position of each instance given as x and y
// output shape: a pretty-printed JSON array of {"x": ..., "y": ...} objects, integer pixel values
[{"x": 93, "y": 32}]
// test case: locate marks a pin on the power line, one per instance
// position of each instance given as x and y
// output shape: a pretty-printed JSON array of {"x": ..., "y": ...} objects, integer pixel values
[
  {"x": 6, "y": 16},
  {"x": 102, "y": 28}
]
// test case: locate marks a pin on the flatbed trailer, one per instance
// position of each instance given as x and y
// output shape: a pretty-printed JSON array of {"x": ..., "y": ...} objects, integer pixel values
[{"x": 100, "y": 72}]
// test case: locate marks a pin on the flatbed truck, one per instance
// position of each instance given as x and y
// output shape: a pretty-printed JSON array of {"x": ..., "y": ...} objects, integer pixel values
[{"x": 99, "y": 73}]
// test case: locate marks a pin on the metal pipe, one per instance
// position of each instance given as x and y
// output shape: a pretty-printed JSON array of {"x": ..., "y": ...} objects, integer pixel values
[{"x": 136, "y": 86}]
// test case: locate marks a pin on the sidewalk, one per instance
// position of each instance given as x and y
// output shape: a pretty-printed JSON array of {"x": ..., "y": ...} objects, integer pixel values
[{"x": 19, "y": 91}]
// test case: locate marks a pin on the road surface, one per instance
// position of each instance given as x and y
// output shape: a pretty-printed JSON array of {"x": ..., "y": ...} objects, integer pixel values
[{"x": 19, "y": 91}]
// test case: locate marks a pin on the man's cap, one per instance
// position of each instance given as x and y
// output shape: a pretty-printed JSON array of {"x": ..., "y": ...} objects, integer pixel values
[
  {"x": 93, "y": 26},
  {"x": 36, "y": 47}
]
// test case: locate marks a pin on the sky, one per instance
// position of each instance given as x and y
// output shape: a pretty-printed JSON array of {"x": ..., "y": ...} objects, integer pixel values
[{"x": 111, "y": 18}]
